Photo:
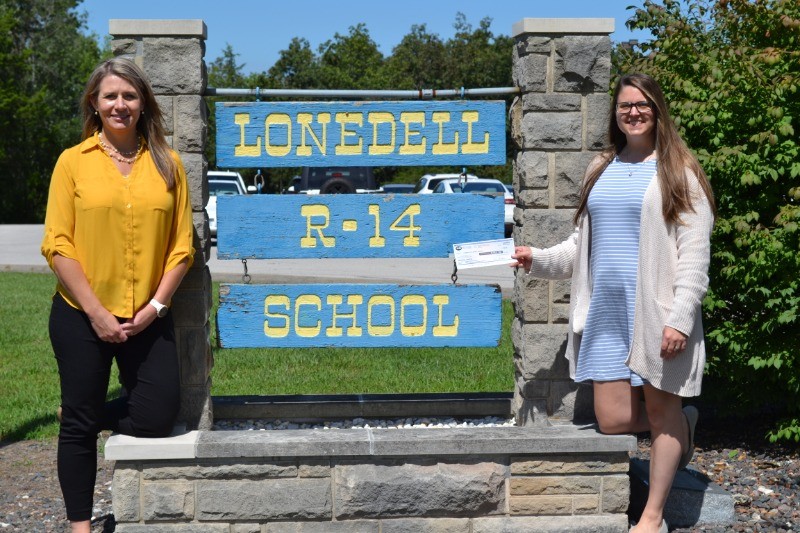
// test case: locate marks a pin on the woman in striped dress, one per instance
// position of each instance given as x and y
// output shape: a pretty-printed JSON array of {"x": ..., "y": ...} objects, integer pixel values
[{"x": 638, "y": 261}]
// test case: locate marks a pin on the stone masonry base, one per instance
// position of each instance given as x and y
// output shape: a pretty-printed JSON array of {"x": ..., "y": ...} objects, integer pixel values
[{"x": 484, "y": 480}]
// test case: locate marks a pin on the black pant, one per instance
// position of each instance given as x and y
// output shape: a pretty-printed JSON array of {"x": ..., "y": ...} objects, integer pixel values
[{"x": 148, "y": 369}]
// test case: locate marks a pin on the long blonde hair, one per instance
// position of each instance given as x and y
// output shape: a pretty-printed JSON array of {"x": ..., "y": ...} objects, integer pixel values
[
  {"x": 674, "y": 157},
  {"x": 149, "y": 125}
]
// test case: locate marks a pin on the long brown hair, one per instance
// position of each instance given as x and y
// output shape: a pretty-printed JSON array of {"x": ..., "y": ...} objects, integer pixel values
[
  {"x": 674, "y": 157},
  {"x": 149, "y": 125}
]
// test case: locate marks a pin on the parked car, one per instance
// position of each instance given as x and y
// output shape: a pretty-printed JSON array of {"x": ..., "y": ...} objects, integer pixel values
[
  {"x": 511, "y": 203},
  {"x": 219, "y": 188},
  {"x": 428, "y": 182},
  {"x": 334, "y": 180},
  {"x": 228, "y": 175},
  {"x": 484, "y": 186},
  {"x": 397, "y": 188},
  {"x": 293, "y": 187}
]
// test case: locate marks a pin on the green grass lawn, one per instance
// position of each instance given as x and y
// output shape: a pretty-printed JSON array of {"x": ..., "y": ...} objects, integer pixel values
[{"x": 29, "y": 392}]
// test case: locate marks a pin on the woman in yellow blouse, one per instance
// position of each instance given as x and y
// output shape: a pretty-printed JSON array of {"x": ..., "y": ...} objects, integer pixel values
[{"x": 118, "y": 235}]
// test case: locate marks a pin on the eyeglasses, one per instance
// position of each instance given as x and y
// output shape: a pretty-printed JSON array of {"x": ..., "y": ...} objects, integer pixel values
[{"x": 643, "y": 107}]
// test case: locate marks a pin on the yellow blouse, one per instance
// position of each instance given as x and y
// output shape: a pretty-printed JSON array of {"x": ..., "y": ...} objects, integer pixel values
[{"x": 125, "y": 232}]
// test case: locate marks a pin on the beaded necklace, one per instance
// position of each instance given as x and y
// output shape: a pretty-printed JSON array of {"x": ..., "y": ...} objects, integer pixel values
[{"x": 113, "y": 153}]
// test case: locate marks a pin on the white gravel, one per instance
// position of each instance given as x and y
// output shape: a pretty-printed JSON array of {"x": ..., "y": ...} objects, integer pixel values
[{"x": 357, "y": 423}]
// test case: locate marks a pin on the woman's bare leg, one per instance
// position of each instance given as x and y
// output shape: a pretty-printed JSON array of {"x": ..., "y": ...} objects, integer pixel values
[
  {"x": 618, "y": 407},
  {"x": 668, "y": 439},
  {"x": 84, "y": 526}
]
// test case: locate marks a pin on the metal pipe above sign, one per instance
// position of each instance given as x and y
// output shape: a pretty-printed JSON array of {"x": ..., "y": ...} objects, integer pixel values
[
  {"x": 349, "y": 94},
  {"x": 297, "y": 134}
]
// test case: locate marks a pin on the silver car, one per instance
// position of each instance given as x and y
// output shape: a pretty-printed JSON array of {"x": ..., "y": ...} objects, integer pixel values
[
  {"x": 219, "y": 188},
  {"x": 486, "y": 186}
]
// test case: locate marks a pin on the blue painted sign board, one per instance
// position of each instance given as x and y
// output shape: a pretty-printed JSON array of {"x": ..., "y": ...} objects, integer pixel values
[
  {"x": 315, "y": 134},
  {"x": 353, "y": 225},
  {"x": 344, "y": 315}
]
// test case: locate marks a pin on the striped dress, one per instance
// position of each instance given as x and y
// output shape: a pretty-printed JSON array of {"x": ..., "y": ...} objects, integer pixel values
[{"x": 614, "y": 206}]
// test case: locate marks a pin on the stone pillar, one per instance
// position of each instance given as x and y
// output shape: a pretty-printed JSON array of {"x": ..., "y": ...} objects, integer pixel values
[
  {"x": 559, "y": 124},
  {"x": 171, "y": 54}
]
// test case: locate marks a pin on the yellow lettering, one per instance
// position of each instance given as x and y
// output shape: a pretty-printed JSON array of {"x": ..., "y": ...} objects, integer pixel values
[
  {"x": 381, "y": 316},
  {"x": 407, "y": 301},
  {"x": 310, "y": 211},
  {"x": 307, "y": 300},
  {"x": 376, "y": 330},
  {"x": 440, "y": 330},
  {"x": 277, "y": 119},
  {"x": 242, "y": 149},
  {"x": 305, "y": 120},
  {"x": 409, "y": 118},
  {"x": 276, "y": 331},
  {"x": 410, "y": 239},
  {"x": 353, "y": 300},
  {"x": 472, "y": 147},
  {"x": 440, "y": 147},
  {"x": 349, "y": 149},
  {"x": 376, "y": 118},
  {"x": 376, "y": 241}
]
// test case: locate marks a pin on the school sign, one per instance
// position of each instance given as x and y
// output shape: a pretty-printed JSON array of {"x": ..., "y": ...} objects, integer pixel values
[
  {"x": 346, "y": 315},
  {"x": 296, "y": 134},
  {"x": 300, "y": 226},
  {"x": 356, "y": 226}
]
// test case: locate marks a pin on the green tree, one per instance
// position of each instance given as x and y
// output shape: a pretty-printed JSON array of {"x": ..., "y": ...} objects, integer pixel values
[
  {"x": 351, "y": 61},
  {"x": 224, "y": 72},
  {"x": 476, "y": 57},
  {"x": 731, "y": 71},
  {"x": 40, "y": 87},
  {"x": 297, "y": 67},
  {"x": 418, "y": 62}
]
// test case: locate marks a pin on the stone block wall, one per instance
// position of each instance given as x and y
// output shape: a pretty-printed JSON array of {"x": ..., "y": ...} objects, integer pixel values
[
  {"x": 171, "y": 54},
  {"x": 424, "y": 494},
  {"x": 558, "y": 124},
  {"x": 570, "y": 479}
]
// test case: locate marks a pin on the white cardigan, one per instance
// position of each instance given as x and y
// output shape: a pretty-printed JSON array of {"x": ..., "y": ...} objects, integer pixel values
[{"x": 672, "y": 281}]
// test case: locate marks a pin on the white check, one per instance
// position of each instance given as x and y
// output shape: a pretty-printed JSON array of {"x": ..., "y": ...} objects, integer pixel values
[{"x": 483, "y": 253}]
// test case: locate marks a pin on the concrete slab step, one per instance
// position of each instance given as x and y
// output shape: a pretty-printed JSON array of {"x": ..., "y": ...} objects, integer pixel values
[{"x": 693, "y": 500}]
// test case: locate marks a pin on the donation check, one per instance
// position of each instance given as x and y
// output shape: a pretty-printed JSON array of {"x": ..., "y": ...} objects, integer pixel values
[{"x": 483, "y": 253}]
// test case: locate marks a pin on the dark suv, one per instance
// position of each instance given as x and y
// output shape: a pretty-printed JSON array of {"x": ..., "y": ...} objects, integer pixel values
[{"x": 336, "y": 180}]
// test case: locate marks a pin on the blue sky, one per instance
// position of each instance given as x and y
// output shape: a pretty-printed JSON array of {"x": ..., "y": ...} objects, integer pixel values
[{"x": 258, "y": 31}]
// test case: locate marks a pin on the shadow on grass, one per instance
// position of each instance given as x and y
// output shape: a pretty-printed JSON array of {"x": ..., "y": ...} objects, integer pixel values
[
  {"x": 29, "y": 428},
  {"x": 37, "y": 427}
]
